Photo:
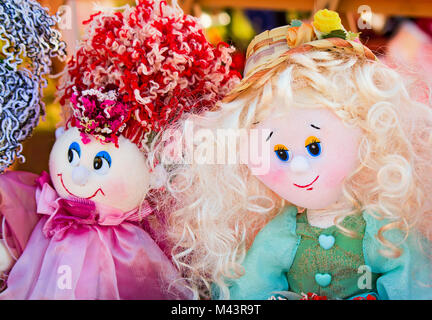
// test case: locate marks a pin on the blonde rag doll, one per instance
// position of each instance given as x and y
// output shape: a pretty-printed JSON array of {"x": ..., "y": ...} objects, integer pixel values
[{"x": 335, "y": 204}]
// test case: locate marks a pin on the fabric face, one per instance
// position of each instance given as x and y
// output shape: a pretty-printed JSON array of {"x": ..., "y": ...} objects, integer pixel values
[
  {"x": 114, "y": 176},
  {"x": 311, "y": 152}
]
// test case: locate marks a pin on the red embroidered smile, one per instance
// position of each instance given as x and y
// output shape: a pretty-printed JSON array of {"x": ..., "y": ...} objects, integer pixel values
[
  {"x": 308, "y": 186},
  {"x": 88, "y": 198}
]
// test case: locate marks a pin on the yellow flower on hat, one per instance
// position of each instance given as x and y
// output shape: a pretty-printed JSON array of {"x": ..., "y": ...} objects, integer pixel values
[{"x": 326, "y": 21}]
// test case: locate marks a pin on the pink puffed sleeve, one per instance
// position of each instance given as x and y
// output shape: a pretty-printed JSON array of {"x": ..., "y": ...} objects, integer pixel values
[{"x": 17, "y": 209}]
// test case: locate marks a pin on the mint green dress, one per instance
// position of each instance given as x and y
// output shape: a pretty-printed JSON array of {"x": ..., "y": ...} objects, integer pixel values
[{"x": 289, "y": 255}]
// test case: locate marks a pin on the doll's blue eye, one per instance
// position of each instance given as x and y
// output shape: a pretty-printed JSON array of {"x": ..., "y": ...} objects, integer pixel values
[
  {"x": 314, "y": 148},
  {"x": 102, "y": 162},
  {"x": 282, "y": 152},
  {"x": 104, "y": 155},
  {"x": 74, "y": 153}
]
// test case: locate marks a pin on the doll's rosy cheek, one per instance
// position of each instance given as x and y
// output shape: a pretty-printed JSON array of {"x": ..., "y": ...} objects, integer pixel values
[
  {"x": 275, "y": 177},
  {"x": 335, "y": 178},
  {"x": 115, "y": 189},
  {"x": 335, "y": 172}
]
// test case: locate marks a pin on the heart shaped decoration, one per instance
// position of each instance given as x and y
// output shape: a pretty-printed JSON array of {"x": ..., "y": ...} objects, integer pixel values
[
  {"x": 323, "y": 279},
  {"x": 326, "y": 242}
]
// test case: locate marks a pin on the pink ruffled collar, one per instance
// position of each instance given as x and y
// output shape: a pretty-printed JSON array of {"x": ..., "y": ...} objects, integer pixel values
[{"x": 66, "y": 213}]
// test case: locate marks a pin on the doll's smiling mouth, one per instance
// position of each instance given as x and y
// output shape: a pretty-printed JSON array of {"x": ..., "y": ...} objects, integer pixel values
[
  {"x": 308, "y": 186},
  {"x": 88, "y": 198}
]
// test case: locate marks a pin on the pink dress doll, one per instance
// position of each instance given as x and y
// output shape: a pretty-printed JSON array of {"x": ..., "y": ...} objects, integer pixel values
[
  {"x": 323, "y": 191},
  {"x": 77, "y": 233},
  {"x": 28, "y": 44}
]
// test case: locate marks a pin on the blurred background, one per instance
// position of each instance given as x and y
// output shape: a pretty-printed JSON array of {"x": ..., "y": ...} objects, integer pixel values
[{"x": 398, "y": 31}]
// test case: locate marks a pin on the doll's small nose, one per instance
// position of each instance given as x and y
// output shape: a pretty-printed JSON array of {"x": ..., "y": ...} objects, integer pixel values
[
  {"x": 299, "y": 164},
  {"x": 80, "y": 175}
]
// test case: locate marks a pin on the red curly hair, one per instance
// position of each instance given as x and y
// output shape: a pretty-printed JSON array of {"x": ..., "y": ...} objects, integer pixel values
[{"x": 157, "y": 63}]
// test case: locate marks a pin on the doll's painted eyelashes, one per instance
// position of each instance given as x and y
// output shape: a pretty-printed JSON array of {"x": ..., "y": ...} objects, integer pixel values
[
  {"x": 103, "y": 155},
  {"x": 102, "y": 162},
  {"x": 74, "y": 153},
  {"x": 282, "y": 152},
  {"x": 313, "y": 146},
  {"x": 268, "y": 138}
]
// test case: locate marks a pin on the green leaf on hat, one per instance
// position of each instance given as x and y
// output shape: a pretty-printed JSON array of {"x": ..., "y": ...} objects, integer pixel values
[{"x": 335, "y": 34}]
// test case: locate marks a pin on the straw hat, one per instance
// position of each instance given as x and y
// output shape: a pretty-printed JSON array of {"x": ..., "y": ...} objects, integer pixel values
[{"x": 273, "y": 47}]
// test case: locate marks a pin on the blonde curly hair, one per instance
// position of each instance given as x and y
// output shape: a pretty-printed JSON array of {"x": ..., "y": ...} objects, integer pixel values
[{"x": 224, "y": 206}]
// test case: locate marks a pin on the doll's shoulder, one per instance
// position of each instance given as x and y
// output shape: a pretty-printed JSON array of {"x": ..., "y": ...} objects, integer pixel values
[
  {"x": 278, "y": 236},
  {"x": 284, "y": 223},
  {"x": 375, "y": 229},
  {"x": 17, "y": 208},
  {"x": 407, "y": 275},
  {"x": 415, "y": 249},
  {"x": 18, "y": 178},
  {"x": 18, "y": 187}
]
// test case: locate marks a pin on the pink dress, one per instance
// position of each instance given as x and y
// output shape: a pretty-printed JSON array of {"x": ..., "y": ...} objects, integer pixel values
[{"x": 76, "y": 249}]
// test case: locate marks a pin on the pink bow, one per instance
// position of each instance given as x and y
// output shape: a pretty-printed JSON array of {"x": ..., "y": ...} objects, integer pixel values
[{"x": 68, "y": 213}]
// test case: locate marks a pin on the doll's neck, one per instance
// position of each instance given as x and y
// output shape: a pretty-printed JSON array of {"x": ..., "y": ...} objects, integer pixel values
[{"x": 325, "y": 218}]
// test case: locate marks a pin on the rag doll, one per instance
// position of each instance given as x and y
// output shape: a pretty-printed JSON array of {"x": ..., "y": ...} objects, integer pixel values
[
  {"x": 77, "y": 233},
  {"x": 328, "y": 193},
  {"x": 28, "y": 43}
]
